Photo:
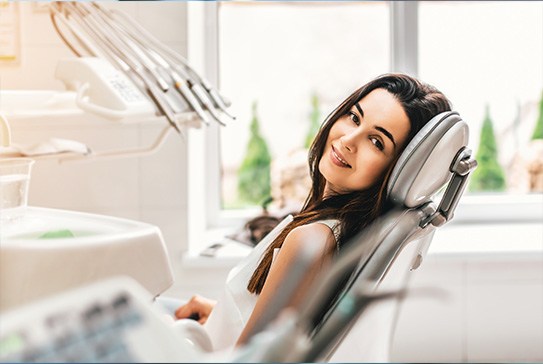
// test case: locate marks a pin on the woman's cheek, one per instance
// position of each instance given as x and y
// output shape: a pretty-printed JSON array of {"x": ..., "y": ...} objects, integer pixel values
[{"x": 370, "y": 171}]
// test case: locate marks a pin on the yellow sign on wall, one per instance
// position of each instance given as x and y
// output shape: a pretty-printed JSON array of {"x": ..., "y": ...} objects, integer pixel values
[{"x": 9, "y": 32}]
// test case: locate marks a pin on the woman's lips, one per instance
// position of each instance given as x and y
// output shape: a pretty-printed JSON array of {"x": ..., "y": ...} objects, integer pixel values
[{"x": 337, "y": 159}]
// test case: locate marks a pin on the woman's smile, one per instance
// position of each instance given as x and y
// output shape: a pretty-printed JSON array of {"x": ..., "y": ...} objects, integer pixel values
[{"x": 338, "y": 159}]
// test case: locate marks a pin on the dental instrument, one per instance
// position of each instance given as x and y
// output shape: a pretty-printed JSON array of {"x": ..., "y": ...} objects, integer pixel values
[
  {"x": 126, "y": 62},
  {"x": 160, "y": 65},
  {"x": 138, "y": 54},
  {"x": 124, "y": 46},
  {"x": 195, "y": 98},
  {"x": 196, "y": 82}
]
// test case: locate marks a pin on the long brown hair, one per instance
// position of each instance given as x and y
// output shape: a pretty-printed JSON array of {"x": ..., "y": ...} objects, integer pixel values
[{"x": 355, "y": 210}]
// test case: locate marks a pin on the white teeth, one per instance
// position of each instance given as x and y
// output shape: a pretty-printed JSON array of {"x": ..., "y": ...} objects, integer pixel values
[{"x": 341, "y": 160}]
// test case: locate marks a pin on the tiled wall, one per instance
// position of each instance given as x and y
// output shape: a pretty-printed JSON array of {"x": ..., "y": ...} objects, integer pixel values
[
  {"x": 489, "y": 310},
  {"x": 151, "y": 188}
]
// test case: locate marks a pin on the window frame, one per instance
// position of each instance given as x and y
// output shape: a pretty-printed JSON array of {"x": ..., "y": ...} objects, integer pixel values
[{"x": 204, "y": 206}]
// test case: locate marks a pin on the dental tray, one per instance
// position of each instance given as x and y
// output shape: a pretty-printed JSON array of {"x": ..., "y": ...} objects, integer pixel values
[{"x": 46, "y": 251}]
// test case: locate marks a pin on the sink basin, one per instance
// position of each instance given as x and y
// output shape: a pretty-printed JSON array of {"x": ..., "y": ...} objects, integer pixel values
[{"x": 46, "y": 251}]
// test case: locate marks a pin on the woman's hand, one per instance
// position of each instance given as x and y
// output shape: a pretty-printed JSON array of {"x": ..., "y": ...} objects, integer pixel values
[{"x": 197, "y": 308}]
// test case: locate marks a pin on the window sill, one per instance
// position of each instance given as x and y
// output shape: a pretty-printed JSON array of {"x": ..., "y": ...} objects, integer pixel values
[
  {"x": 488, "y": 208},
  {"x": 488, "y": 239},
  {"x": 227, "y": 256},
  {"x": 479, "y": 241}
]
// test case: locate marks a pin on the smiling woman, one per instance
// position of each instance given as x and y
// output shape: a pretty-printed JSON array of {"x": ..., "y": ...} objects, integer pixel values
[
  {"x": 350, "y": 161},
  {"x": 353, "y": 193}
]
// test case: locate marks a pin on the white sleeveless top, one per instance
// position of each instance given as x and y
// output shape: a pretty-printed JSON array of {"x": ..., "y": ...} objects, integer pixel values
[{"x": 235, "y": 305}]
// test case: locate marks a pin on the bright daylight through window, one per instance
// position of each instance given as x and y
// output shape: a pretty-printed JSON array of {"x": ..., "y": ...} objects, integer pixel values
[
  {"x": 490, "y": 63},
  {"x": 300, "y": 59},
  {"x": 283, "y": 77}
]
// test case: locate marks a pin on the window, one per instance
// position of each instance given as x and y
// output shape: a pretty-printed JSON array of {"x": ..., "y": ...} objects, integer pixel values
[
  {"x": 288, "y": 64},
  {"x": 496, "y": 49},
  {"x": 279, "y": 55}
]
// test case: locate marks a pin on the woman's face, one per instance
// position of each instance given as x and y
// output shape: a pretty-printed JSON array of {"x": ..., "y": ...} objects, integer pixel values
[{"x": 363, "y": 142}]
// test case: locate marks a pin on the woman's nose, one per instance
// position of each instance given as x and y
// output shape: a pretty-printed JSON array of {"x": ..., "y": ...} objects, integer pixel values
[
  {"x": 349, "y": 141},
  {"x": 346, "y": 145}
]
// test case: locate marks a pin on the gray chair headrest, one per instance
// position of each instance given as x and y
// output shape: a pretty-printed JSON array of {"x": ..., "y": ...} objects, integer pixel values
[{"x": 423, "y": 168}]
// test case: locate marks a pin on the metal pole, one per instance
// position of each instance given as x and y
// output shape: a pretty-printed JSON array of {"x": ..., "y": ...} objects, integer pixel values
[{"x": 404, "y": 37}]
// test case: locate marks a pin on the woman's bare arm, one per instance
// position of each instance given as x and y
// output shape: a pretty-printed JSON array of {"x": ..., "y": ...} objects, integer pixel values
[{"x": 316, "y": 234}]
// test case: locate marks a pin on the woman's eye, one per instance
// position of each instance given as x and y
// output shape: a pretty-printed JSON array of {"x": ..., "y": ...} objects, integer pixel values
[
  {"x": 378, "y": 143},
  {"x": 354, "y": 117}
]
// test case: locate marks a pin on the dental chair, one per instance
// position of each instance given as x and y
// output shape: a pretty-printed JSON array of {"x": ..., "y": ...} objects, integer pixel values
[{"x": 378, "y": 262}]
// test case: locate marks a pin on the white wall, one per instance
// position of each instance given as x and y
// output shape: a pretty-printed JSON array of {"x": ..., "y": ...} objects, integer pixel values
[{"x": 492, "y": 307}]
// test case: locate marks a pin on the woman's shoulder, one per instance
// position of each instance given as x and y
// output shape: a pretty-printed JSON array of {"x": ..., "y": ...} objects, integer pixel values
[
  {"x": 315, "y": 233},
  {"x": 316, "y": 227},
  {"x": 327, "y": 226}
]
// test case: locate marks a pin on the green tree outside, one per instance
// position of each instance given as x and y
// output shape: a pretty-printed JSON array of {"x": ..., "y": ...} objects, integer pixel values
[
  {"x": 538, "y": 131},
  {"x": 489, "y": 175},
  {"x": 314, "y": 121},
  {"x": 254, "y": 186}
]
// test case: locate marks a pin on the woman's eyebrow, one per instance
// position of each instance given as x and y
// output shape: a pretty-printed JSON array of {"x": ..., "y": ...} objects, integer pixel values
[
  {"x": 387, "y": 134},
  {"x": 359, "y": 109},
  {"x": 379, "y": 128}
]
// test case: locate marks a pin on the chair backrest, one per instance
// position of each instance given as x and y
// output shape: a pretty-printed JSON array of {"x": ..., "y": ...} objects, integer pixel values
[
  {"x": 378, "y": 260},
  {"x": 437, "y": 157}
]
